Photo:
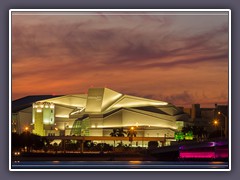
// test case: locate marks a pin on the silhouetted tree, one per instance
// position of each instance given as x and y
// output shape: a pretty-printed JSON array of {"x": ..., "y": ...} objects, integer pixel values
[
  {"x": 117, "y": 132},
  {"x": 121, "y": 132},
  {"x": 28, "y": 140},
  {"x": 198, "y": 131},
  {"x": 215, "y": 134},
  {"x": 55, "y": 147},
  {"x": 152, "y": 144},
  {"x": 16, "y": 141},
  {"x": 114, "y": 132}
]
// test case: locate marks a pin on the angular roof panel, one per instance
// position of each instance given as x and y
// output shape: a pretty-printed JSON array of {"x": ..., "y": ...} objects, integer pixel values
[
  {"x": 75, "y": 100},
  {"x": 133, "y": 101}
]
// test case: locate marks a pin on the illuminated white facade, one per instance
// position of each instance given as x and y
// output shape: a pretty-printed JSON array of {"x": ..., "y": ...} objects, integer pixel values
[{"x": 100, "y": 110}]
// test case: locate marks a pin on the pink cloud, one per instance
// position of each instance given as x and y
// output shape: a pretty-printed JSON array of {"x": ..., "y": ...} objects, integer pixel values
[{"x": 170, "y": 58}]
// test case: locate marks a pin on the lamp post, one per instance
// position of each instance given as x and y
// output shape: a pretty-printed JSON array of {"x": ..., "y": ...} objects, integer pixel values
[
  {"x": 225, "y": 123},
  {"x": 131, "y": 134},
  {"x": 216, "y": 123}
]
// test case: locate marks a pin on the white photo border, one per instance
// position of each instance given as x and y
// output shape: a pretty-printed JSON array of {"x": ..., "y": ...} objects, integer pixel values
[{"x": 228, "y": 11}]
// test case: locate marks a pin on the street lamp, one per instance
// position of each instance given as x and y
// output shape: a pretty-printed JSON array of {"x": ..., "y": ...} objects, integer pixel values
[
  {"x": 26, "y": 128},
  {"x": 131, "y": 134},
  {"x": 216, "y": 123},
  {"x": 225, "y": 123}
]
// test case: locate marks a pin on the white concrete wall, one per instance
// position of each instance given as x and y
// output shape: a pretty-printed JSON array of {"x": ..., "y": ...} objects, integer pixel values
[
  {"x": 95, "y": 132},
  {"x": 131, "y": 118},
  {"x": 114, "y": 120}
]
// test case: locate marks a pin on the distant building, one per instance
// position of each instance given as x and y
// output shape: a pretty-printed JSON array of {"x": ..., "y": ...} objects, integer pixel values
[
  {"x": 205, "y": 116},
  {"x": 222, "y": 114},
  {"x": 196, "y": 111}
]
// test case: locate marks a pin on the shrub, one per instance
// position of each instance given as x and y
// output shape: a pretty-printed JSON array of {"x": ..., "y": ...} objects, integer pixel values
[{"x": 152, "y": 144}]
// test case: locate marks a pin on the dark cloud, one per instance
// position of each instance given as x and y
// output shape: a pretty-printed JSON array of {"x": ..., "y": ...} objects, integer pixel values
[
  {"x": 124, "y": 46},
  {"x": 180, "y": 98},
  {"x": 189, "y": 62},
  {"x": 137, "y": 55}
]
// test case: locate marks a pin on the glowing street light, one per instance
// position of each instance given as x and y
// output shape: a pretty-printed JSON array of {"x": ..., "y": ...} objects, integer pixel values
[
  {"x": 215, "y": 122},
  {"x": 26, "y": 128},
  {"x": 131, "y": 133}
]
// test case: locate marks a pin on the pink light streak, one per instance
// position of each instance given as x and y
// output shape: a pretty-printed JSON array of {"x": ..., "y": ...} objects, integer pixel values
[
  {"x": 197, "y": 155},
  {"x": 223, "y": 153}
]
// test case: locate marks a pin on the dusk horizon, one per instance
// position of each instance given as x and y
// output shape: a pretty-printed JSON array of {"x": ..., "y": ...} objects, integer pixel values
[{"x": 180, "y": 59}]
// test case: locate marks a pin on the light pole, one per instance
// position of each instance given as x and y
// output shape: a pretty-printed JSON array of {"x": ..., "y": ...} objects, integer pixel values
[
  {"x": 225, "y": 123},
  {"x": 131, "y": 133},
  {"x": 216, "y": 123}
]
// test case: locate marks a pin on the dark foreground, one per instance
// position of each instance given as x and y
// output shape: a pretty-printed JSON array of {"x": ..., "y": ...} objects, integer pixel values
[
  {"x": 110, "y": 160},
  {"x": 106, "y": 156},
  {"x": 109, "y": 156},
  {"x": 119, "y": 165}
]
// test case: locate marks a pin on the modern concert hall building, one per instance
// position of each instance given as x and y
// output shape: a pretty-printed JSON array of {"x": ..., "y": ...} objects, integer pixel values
[{"x": 96, "y": 113}]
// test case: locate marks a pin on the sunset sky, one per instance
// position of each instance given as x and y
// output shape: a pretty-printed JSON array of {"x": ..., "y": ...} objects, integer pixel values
[{"x": 176, "y": 57}]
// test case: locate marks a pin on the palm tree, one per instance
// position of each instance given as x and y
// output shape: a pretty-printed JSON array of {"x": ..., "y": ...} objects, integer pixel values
[
  {"x": 117, "y": 132},
  {"x": 114, "y": 133},
  {"x": 131, "y": 133},
  {"x": 121, "y": 132}
]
